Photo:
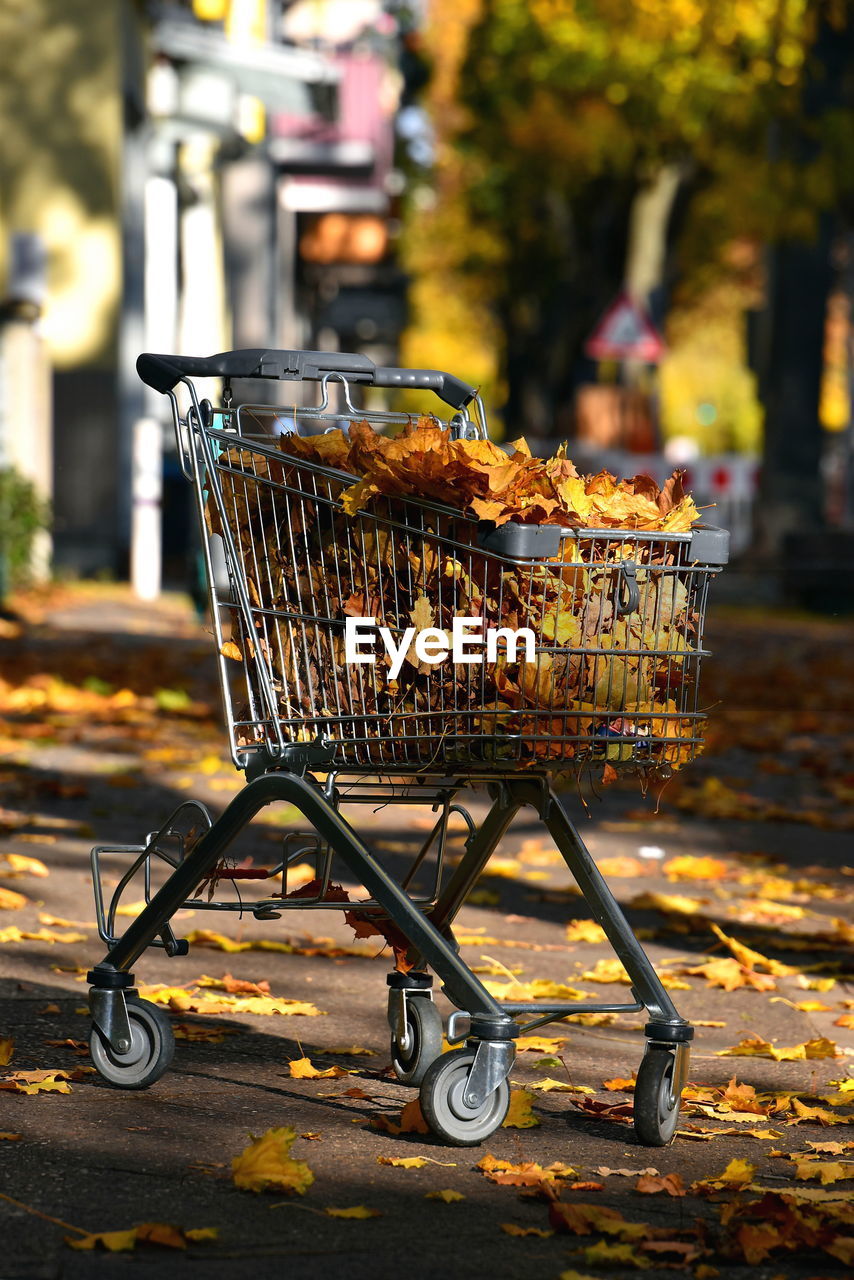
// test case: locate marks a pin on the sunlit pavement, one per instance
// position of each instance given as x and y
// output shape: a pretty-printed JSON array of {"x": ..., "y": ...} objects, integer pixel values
[{"x": 109, "y": 720}]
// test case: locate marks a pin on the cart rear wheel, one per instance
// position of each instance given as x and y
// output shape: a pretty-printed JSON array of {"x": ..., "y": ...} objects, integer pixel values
[
  {"x": 151, "y": 1051},
  {"x": 444, "y": 1106},
  {"x": 424, "y": 1041},
  {"x": 656, "y": 1110}
]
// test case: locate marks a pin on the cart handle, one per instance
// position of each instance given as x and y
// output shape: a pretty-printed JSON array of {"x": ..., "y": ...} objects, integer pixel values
[{"x": 163, "y": 372}]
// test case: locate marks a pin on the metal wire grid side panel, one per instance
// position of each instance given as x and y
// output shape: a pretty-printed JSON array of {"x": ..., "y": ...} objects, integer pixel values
[{"x": 598, "y": 683}]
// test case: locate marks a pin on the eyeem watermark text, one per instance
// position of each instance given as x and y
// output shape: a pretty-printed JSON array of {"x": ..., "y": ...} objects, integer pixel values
[{"x": 467, "y": 642}]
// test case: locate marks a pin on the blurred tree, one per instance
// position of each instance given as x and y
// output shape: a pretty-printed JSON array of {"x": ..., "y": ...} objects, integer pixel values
[{"x": 584, "y": 143}]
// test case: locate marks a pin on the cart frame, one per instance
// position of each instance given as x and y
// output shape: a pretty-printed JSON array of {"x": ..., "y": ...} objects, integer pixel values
[{"x": 464, "y": 1093}]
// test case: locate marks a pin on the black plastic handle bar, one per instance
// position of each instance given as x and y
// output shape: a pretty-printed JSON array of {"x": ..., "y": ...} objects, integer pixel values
[{"x": 163, "y": 372}]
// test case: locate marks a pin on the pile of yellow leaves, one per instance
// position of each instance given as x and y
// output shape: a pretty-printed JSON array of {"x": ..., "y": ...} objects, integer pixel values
[{"x": 602, "y": 681}]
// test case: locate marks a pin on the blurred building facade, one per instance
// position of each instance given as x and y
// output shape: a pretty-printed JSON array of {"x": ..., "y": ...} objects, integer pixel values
[{"x": 201, "y": 175}]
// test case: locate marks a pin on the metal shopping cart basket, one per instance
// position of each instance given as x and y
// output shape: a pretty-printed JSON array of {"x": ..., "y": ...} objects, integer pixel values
[{"x": 608, "y": 676}]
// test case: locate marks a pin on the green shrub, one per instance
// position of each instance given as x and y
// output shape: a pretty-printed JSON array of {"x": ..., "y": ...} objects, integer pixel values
[{"x": 22, "y": 515}]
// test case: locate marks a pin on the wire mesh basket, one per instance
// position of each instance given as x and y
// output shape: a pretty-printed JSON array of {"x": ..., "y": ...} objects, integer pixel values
[{"x": 412, "y": 636}]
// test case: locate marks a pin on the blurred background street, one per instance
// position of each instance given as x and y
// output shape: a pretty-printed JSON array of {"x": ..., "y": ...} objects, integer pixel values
[{"x": 629, "y": 224}]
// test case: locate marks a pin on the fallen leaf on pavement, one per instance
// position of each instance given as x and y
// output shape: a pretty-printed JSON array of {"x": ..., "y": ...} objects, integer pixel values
[
  {"x": 587, "y": 1219},
  {"x": 605, "y": 1110},
  {"x": 304, "y": 1069},
  {"x": 18, "y": 864},
  {"x": 753, "y": 1046},
  {"x": 519, "y": 1114},
  {"x": 447, "y": 1195},
  {"x": 527, "y": 1174},
  {"x": 13, "y": 934},
  {"x": 607, "y": 970},
  {"x": 39, "y": 1081},
  {"x": 355, "y": 1211},
  {"x": 619, "y": 1085},
  {"x": 410, "y": 1120},
  {"x": 558, "y": 1086},
  {"x": 824, "y": 1171},
  {"x": 11, "y": 901},
  {"x": 414, "y": 1162},
  {"x": 689, "y": 867},
  {"x": 265, "y": 1165},
  {"x": 539, "y": 1044},
  {"x": 195, "y": 1001},
  {"x": 650, "y": 1185},
  {"x": 7, "y": 1048},
  {"x": 738, "y": 1174},
  {"x": 202, "y": 1034},
  {"x": 155, "y": 1233},
  {"x": 584, "y": 931}
]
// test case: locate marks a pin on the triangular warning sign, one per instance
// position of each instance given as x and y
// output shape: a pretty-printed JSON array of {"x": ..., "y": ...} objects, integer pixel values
[{"x": 625, "y": 332}]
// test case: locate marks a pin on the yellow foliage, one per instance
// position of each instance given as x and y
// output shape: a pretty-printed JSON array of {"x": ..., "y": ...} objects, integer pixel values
[{"x": 265, "y": 1165}]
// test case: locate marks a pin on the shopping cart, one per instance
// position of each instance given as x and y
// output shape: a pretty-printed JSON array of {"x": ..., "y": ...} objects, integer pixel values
[{"x": 617, "y": 621}]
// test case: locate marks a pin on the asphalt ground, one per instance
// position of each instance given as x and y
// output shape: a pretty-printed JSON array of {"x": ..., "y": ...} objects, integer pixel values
[{"x": 92, "y": 753}]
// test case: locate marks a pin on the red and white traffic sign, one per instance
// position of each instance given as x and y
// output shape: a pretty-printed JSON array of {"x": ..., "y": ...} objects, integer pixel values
[{"x": 625, "y": 332}]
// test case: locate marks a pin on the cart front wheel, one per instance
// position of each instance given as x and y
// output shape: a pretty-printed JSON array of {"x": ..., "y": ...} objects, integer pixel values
[
  {"x": 423, "y": 1041},
  {"x": 152, "y": 1048},
  {"x": 656, "y": 1109},
  {"x": 444, "y": 1106}
]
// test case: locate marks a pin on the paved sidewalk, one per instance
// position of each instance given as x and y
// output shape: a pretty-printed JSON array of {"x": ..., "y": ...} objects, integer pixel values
[{"x": 108, "y": 719}]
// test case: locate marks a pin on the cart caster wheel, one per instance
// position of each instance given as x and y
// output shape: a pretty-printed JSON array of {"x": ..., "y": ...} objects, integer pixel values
[
  {"x": 445, "y": 1110},
  {"x": 151, "y": 1052},
  {"x": 656, "y": 1110},
  {"x": 424, "y": 1046}
]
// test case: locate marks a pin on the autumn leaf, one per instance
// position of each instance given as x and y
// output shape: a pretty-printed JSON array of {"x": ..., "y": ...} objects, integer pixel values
[
  {"x": 671, "y": 1183},
  {"x": 414, "y": 1162},
  {"x": 519, "y": 1114},
  {"x": 606, "y": 970},
  {"x": 825, "y": 1171},
  {"x": 193, "y": 1001},
  {"x": 526, "y": 1174},
  {"x": 819, "y": 1114},
  {"x": 447, "y": 1195},
  {"x": 7, "y": 1048},
  {"x": 201, "y": 1034},
  {"x": 265, "y": 1165},
  {"x": 584, "y": 931},
  {"x": 161, "y": 1234},
  {"x": 590, "y": 1219},
  {"x": 749, "y": 958},
  {"x": 604, "y": 1254},
  {"x": 358, "y": 1211},
  {"x": 38, "y": 1081},
  {"x": 18, "y": 864},
  {"x": 539, "y": 1044},
  {"x": 558, "y": 1086},
  {"x": 230, "y": 650},
  {"x": 10, "y": 901},
  {"x": 619, "y": 1085},
  {"x": 690, "y": 867},
  {"x": 755, "y": 1047},
  {"x": 410, "y": 1120},
  {"x": 738, "y": 1173},
  {"x": 304, "y": 1069}
]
